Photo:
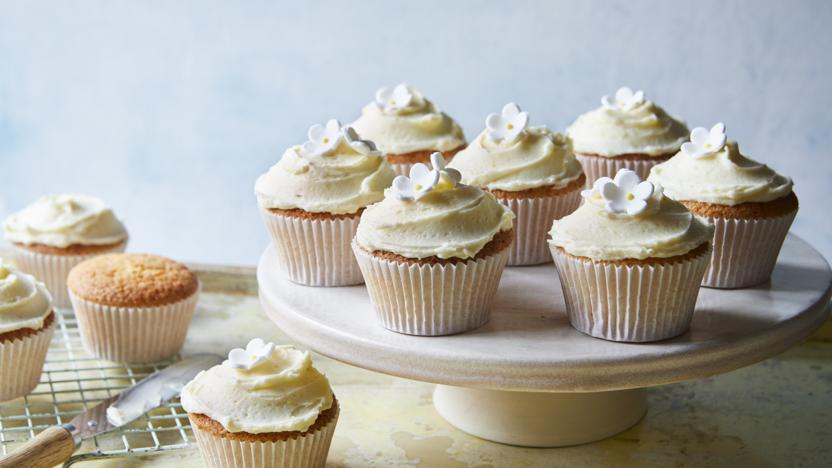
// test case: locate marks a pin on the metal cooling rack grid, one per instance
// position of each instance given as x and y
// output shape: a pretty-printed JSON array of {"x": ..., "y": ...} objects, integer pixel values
[{"x": 73, "y": 381}]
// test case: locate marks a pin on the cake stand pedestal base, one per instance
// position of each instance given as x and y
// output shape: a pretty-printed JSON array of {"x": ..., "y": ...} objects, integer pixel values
[{"x": 540, "y": 419}]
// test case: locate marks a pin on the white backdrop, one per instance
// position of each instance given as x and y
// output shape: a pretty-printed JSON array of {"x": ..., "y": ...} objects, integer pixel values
[{"x": 170, "y": 109}]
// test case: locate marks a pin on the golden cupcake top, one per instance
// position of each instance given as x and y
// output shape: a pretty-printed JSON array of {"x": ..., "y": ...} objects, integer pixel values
[
  {"x": 627, "y": 123},
  {"x": 260, "y": 389},
  {"x": 431, "y": 214},
  {"x": 132, "y": 280},
  {"x": 509, "y": 155},
  {"x": 24, "y": 301},
  {"x": 626, "y": 218},
  {"x": 65, "y": 220},
  {"x": 400, "y": 120},
  {"x": 711, "y": 169},
  {"x": 335, "y": 171}
]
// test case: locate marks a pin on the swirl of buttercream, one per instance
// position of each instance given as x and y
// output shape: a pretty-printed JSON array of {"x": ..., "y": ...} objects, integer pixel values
[
  {"x": 24, "y": 301},
  {"x": 537, "y": 158},
  {"x": 724, "y": 178},
  {"x": 282, "y": 393},
  {"x": 418, "y": 126},
  {"x": 64, "y": 220},
  {"x": 644, "y": 128},
  {"x": 342, "y": 182},
  {"x": 453, "y": 222}
]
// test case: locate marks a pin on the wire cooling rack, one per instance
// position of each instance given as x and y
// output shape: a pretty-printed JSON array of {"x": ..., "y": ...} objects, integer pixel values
[{"x": 73, "y": 381}]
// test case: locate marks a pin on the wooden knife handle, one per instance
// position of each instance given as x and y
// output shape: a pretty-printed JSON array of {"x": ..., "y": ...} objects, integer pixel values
[{"x": 51, "y": 447}]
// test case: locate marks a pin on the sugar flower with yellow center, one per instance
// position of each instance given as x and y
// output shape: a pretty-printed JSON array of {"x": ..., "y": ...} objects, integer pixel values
[
  {"x": 508, "y": 125},
  {"x": 704, "y": 143},
  {"x": 625, "y": 99},
  {"x": 625, "y": 194}
]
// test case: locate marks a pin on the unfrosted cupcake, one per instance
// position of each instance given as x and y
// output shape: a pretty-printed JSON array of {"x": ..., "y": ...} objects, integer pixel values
[
  {"x": 266, "y": 406},
  {"x": 311, "y": 201},
  {"x": 27, "y": 323},
  {"x": 408, "y": 127},
  {"x": 751, "y": 206},
  {"x": 530, "y": 170},
  {"x": 433, "y": 251},
  {"x": 57, "y": 232},
  {"x": 626, "y": 132},
  {"x": 630, "y": 261},
  {"x": 132, "y": 307}
]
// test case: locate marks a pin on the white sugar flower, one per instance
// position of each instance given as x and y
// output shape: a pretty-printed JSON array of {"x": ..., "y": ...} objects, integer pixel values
[
  {"x": 451, "y": 175},
  {"x": 704, "y": 142},
  {"x": 323, "y": 140},
  {"x": 362, "y": 146},
  {"x": 508, "y": 125},
  {"x": 256, "y": 352},
  {"x": 395, "y": 98},
  {"x": 625, "y": 99},
  {"x": 421, "y": 181},
  {"x": 624, "y": 194}
]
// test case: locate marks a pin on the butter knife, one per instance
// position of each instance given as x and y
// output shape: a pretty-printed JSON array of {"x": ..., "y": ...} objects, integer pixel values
[{"x": 56, "y": 445}]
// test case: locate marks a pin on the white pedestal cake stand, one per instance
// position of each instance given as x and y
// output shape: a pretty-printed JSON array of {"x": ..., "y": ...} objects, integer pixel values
[{"x": 527, "y": 377}]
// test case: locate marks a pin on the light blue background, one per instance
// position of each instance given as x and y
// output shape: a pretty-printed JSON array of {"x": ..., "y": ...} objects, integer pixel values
[{"x": 170, "y": 109}]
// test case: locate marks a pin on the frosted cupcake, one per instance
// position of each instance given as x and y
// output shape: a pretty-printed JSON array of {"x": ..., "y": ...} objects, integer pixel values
[
  {"x": 626, "y": 132},
  {"x": 750, "y": 205},
  {"x": 408, "y": 127},
  {"x": 57, "y": 232},
  {"x": 311, "y": 200},
  {"x": 133, "y": 307},
  {"x": 530, "y": 170},
  {"x": 27, "y": 323},
  {"x": 266, "y": 406},
  {"x": 630, "y": 261},
  {"x": 433, "y": 251}
]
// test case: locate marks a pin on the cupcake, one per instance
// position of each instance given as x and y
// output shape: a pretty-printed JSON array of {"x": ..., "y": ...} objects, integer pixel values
[
  {"x": 57, "y": 232},
  {"x": 311, "y": 200},
  {"x": 26, "y": 326},
  {"x": 749, "y": 204},
  {"x": 266, "y": 406},
  {"x": 408, "y": 127},
  {"x": 132, "y": 307},
  {"x": 433, "y": 251},
  {"x": 630, "y": 261},
  {"x": 626, "y": 132},
  {"x": 528, "y": 169}
]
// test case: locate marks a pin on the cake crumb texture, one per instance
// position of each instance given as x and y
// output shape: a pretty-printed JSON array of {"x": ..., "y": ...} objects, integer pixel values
[{"x": 132, "y": 280}]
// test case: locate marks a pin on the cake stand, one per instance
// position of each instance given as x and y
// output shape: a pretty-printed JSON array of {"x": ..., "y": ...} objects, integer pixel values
[{"x": 527, "y": 377}]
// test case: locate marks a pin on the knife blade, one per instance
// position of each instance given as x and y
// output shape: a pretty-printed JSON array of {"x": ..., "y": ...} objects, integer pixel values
[{"x": 56, "y": 445}]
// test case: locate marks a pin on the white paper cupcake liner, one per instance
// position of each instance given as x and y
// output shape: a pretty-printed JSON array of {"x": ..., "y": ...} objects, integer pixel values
[
  {"x": 649, "y": 302},
  {"x": 21, "y": 362},
  {"x": 431, "y": 300},
  {"x": 314, "y": 252},
  {"x": 53, "y": 269},
  {"x": 307, "y": 451},
  {"x": 133, "y": 334},
  {"x": 532, "y": 224},
  {"x": 596, "y": 167},
  {"x": 745, "y": 250}
]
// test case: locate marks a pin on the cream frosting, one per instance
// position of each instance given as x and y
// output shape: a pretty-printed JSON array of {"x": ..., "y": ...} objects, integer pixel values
[
  {"x": 64, "y": 220},
  {"x": 537, "y": 158},
  {"x": 342, "y": 181},
  {"x": 725, "y": 177},
  {"x": 449, "y": 221},
  {"x": 24, "y": 301},
  {"x": 416, "y": 126},
  {"x": 643, "y": 128},
  {"x": 665, "y": 228},
  {"x": 281, "y": 392}
]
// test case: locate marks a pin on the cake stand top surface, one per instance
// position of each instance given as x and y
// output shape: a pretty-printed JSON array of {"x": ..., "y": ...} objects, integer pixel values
[{"x": 529, "y": 345}]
